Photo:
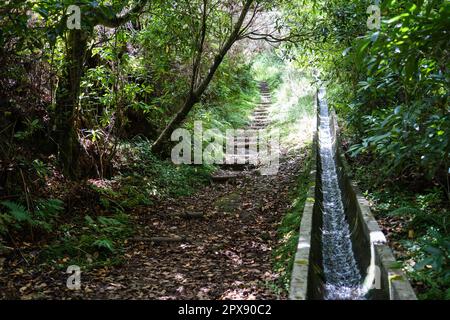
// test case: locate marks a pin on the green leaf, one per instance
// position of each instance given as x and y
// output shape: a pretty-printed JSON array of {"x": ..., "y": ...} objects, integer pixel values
[
  {"x": 89, "y": 220},
  {"x": 104, "y": 244},
  {"x": 18, "y": 211},
  {"x": 432, "y": 250},
  {"x": 397, "y": 18},
  {"x": 421, "y": 264}
]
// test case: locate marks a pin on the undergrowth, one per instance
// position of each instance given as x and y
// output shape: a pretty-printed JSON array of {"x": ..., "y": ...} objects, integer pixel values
[
  {"x": 423, "y": 237},
  {"x": 99, "y": 238}
]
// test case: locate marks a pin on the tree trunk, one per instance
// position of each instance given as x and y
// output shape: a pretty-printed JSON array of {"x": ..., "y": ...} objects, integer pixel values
[
  {"x": 67, "y": 100},
  {"x": 195, "y": 94},
  {"x": 68, "y": 92},
  {"x": 163, "y": 139}
]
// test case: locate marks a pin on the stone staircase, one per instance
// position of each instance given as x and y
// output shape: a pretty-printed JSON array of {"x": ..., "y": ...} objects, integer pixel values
[{"x": 244, "y": 159}]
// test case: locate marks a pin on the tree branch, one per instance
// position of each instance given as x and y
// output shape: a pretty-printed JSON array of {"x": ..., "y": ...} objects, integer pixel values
[
  {"x": 201, "y": 42},
  {"x": 234, "y": 36},
  {"x": 272, "y": 38}
]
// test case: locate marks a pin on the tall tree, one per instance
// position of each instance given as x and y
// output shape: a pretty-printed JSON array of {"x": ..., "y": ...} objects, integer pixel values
[{"x": 68, "y": 92}]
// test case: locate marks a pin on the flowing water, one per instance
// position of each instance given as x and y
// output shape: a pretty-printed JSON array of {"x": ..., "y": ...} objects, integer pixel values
[{"x": 342, "y": 276}]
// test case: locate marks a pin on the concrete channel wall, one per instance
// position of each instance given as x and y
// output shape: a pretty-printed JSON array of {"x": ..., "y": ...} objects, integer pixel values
[{"x": 383, "y": 277}]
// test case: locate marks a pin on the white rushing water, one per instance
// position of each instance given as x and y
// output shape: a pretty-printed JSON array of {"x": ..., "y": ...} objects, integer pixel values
[{"x": 342, "y": 276}]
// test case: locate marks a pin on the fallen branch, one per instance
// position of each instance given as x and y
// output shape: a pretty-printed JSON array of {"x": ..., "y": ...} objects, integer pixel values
[
  {"x": 161, "y": 239},
  {"x": 189, "y": 215}
]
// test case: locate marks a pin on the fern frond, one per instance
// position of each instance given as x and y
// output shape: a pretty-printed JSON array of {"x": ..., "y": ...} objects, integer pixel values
[
  {"x": 49, "y": 207},
  {"x": 406, "y": 211},
  {"x": 16, "y": 210}
]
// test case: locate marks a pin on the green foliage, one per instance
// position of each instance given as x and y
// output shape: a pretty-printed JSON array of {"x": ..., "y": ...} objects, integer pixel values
[
  {"x": 293, "y": 110},
  {"x": 42, "y": 217},
  {"x": 425, "y": 255},
  {"x": 421, "y": 210},
  {"x": 399, "y": 109},
  {"x": 390, "y": 87},
  {"x": 17, "y": 211},
  {"x": 42, "y": 170},
  {"x": 230, "y": 98},
  {"x": 91, "y": 242},
  {"x": 268, "y": 67},
  {"x": 431, "y": 254},
  {"x": 46, "y": 212},
  {"x": 31, "y": 127},
  {"x": 150, "y": 177},
  {"x": 104, "y": 244}
]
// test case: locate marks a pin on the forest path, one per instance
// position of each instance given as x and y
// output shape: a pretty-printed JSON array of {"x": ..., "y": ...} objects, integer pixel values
[
  {"x": 226, "y": 253},
  {"x": 220, "y": 245}
]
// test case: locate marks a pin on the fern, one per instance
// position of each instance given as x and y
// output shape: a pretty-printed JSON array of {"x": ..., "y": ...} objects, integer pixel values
[
  {"x": 104, "y": 244},
  {"x": 42, "y": 217},
  {"x": 407, "y": 211},
  {"x": 109, "y": 221},
  {"x": 17, "y": 211},
  {"x": 49, "y": 208}
]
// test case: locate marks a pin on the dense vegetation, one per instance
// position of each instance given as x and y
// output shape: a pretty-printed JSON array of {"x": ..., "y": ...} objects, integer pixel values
[
  {"x": 86, "y": 114},
  {"x": 390, "y": 86}
]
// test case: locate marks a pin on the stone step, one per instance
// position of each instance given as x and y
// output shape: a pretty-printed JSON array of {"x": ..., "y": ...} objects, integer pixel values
[
  {"x": 248, "y": 152},
  {"x": 245, "y": 141},
  {"x": 257, "y": 126},
  {"x": 260, "y": 121},
  {"x": 246, "y": 145},
  {"x": 241, "y": 159},
  {"x": 225, "y": 176},
  {"x": 264, "y": 120}
]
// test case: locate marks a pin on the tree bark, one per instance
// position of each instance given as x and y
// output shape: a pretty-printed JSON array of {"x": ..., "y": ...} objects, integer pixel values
[
  {"x": 67, "y": 100},
  {"x": 160, "y": 143}
]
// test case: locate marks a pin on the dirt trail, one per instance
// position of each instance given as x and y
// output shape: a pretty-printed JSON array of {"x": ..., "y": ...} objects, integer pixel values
[{"x": 224, "y": 254}]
